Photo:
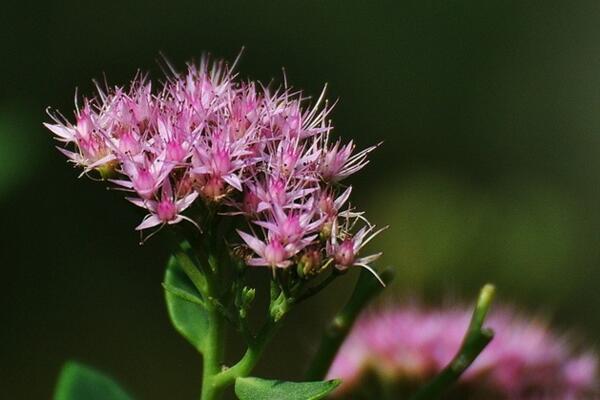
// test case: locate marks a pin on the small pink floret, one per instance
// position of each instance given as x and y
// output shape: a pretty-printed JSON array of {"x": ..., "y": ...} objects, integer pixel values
[
  {"x": 175, "y": 151},
  {"x": 144, "y": 183},
  {"x": 344, "y": 256},
  {"x": 166, "y": 211},
  {"x": 275, "y": 253}
]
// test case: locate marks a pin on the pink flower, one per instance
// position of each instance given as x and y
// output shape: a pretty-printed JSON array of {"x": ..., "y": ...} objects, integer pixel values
[
  {"x": 273, "y": 253},
  {"x": 144, "y": 176},
  {"x": 167, "y": 209},
  {"x": 338, "y": 162},
  {"x": 242, "y": 148},
  {"x": 291, "y": 227},
  {"x": 222, "y": 158},
  {"x": 330, "y": 205},
  {"x": 93, "y": 150},
  {"x": 345, "y": 253},
  {"x": 525, "y": 360}
]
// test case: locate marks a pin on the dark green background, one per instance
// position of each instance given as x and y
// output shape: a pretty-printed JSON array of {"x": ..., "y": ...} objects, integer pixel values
[{"x": 489, "y": 172}]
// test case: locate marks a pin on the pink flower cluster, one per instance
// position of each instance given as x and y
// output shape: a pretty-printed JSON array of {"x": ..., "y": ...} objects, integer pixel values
[
  {"x": 207, "y": 137},
  {"x": 525, "y": 360}
]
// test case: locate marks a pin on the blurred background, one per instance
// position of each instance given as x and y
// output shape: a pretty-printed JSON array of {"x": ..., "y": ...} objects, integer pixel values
[{"x": 490, "y": 113}]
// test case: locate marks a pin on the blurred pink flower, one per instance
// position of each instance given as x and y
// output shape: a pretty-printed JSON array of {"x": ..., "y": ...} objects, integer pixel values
[{"x": 525, "y": 360}]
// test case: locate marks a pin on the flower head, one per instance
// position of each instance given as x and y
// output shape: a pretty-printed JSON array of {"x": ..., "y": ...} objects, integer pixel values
[
  {"x": 207, "y": 138},
  {"x": 411, "y": 344}
]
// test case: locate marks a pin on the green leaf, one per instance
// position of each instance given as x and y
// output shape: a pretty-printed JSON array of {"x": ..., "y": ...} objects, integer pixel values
[
  {"x": 262, "y": 389},
  {"x": 183, "y": 294},
  {"x": 79, "y": 382},
  {"x": 184, "y": 304}
]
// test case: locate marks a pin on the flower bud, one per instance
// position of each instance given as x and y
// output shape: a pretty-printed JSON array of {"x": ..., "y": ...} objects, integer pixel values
[
  {"x": 326, "y": 229},
  {"x": 214, "y": 188},
  {"x": 309, "y": 263},
  {"x": 107, "y": 170},
  {"x": 246, "y": 298},
  {"x": 280, "y": 305}
]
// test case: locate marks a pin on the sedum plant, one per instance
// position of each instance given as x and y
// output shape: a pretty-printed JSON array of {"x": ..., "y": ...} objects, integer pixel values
[{"x": 240, "y": 176}]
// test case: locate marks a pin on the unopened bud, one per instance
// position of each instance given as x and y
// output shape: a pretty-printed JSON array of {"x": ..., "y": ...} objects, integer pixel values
[
  {"x": 325, "y": 233},
  {"x": 107, "y": 170},
  {"x": 309, "y": 263},
  {"x": 214, "y": 188},
  {"x": 247, "y": 297}
]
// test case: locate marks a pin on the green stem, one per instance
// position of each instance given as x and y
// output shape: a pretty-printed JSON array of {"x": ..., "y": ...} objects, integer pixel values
[
  {"x": 365, "y": 290},
  {"x": 213, "y": 354},
  {"x": 476, "y": 339},
  {"x": 312, "y": 291},
  {"x": 250, "y": 358},
  {"x": 205, "y": 282},
  {"x": 215, "y": 379},
  {"x": 203, "y": 270}
]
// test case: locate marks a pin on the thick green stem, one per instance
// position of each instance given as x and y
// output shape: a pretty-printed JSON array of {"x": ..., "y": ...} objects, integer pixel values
[
  {"x": 213, "y": 354},
  {"x": 367, "y": 287},
  {"x": 205, "y": 282},
  {"x": 476, "y": 339},
  {"x": 215, "y": 380},
  {"x": 251, "y": 357},
  {"x": 202, "y": 268}
]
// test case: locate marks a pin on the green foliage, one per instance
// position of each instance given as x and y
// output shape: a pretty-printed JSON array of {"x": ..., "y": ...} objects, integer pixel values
[
  {"x": 79, "y": 382},
  {"x": 182, "y": 294},
  {"x": 184, "y": 304},
  {"x": 262, "y": 389}
]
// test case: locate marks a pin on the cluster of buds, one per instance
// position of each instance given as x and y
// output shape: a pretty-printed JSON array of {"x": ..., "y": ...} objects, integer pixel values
[
  {"x": 411, "y": 344},
  {"x": 207, "y": 137}
]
